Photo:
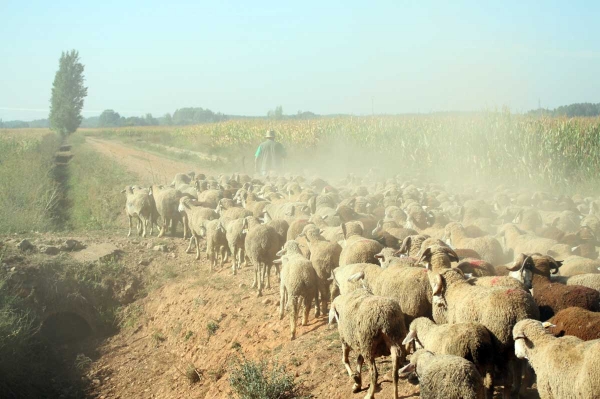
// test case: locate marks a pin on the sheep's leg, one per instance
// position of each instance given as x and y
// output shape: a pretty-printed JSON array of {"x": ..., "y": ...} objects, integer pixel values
[
  {"x": 223, "y": 252},
  {"x": 357, "y": 376},
  {"x": 517, "y": 375},
  {"x": 184, "y": 221},
  {"x": 294, "y": 301},
  {"x": 144, "y": 226},
  {"x": 395, "y": 367},
  {"x": 163, "y": 228},
  {"x": 255, "y": 283},
  {"x": 345, "y": 353},
  {"x": 267, "y": 274},
  {"x": 139, "y": 225},
  {"x": 307, "y": 305},
  {"x": 197, "y": 247},
  {"x": 189, "y": 248},
  {"x": 374, "y": 376},
  {"x": 129, "y": 234},
  {"x": 487, "y": 371},
  {"x": 282, "y": 298},
  {"x": 211, "y": 259}
]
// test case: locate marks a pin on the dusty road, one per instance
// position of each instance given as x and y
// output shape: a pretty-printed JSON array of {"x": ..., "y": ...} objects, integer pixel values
[{"x": 149, "y": 167}]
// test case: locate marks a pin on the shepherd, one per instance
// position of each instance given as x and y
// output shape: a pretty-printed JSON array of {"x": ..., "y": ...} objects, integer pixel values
[{"x": 270, "y": 155}]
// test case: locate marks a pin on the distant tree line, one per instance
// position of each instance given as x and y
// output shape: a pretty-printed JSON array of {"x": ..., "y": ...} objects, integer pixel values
[
  {"x": 571, "y": 110},
  {"x": 182, "y": 116}
]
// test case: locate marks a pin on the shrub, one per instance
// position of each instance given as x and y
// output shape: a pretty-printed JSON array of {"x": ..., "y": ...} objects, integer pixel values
[{"x": 256, "y": 380}]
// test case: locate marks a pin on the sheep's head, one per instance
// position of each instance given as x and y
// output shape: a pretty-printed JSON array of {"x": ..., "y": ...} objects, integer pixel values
[
  {"x": 353, "y": 228},
  {"x": 522, "y": 269},
  {"x": 526, "y": 333},
  {"x": 385, "y": 256},
  {"x": 438, "y": 257},
  {"x": 438, "y": 291},
  {"x": 536, "y": 263},
  {"x": 405, "y": 247},
  {"x": 289, "y": 248}
]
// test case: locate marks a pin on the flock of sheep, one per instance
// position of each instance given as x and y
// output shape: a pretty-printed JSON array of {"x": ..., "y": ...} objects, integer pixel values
[{"x": 484, "y": 288}]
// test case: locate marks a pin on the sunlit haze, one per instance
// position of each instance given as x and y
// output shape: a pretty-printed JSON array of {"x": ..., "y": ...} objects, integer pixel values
[{"x": 244, "y": 58}]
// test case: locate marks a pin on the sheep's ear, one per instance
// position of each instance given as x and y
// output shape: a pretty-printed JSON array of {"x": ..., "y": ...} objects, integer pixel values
[
  {"x": 344, "y": 229},
  {"x": 518, "y": 217},
  {"x": 333, "y": 314},
  {"x": 519, "y": 263},
  {"x": 437, "y": 285},
  {"x": 426, "y": 256},
  {"x": 405, "y": 247},
  {"x": 404, "y": 371},
  {"x": 547, "y": 324},
  {"x": 411, "y": 336},
  {"x": 277, "y": 262},
  {"x": 357, "y": 276},
  {"x": 451, "y": 254}
]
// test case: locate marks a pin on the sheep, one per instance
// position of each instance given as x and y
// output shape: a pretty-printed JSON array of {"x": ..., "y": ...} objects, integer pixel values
[
  {"x": 471, "y": 341},
  {"x": 411, "y": 246},
  {"x": 210, "y": 196},
  {"x": 280, "y": 226},
  {"x": 347, "y": 214},
  {"x": 476, "y": 267},
  {"x": 387, "y": 258},
  {"x": 574, "y": 265},
  {"x": 138, "y": 205},
  {"x": 444, "y": 376},
  {"x": 372, "y": 326},
  {"x": 358, "y": 249},
  {"x": 590, "y": 280},
  {"x": 408, "y": 285},
  {"x": 296, "y": 228},
  {"x": 325, "y": 257},
  {"x": 182, "y": 178},
  {"x": 166, "y": 200},
  {"x": 389, "y": 234},
  {"x": 236, "y": 237},
  {"x": 516, "y": 241},
  {"x": 196, "y": 217},
  {"x": 565, "y": 367},
  {"x": 575, "y": 321},
  {"x": 487, "y": 246},
  {"x": 216, "y": 242},
  {"x": 552, "y": 297},
  {"x": 298, "y": 281},
  {"x": 347, "y": 278},
  {"x": 261, "y": 246},
  {"x": 455, "y": 300}
]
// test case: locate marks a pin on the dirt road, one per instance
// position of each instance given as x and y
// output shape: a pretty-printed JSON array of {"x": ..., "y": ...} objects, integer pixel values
[{"x": 149, "y": 167}]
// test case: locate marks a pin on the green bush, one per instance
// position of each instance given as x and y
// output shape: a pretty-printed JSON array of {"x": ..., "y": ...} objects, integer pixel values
[{"x": 256, "y": 380}]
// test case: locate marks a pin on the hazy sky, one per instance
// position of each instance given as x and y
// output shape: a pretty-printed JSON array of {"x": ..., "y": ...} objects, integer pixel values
[{"x": 245, "y": 57}]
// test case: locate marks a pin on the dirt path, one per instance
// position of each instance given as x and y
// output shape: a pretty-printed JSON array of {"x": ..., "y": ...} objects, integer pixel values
[{"x": 149, "y": 167}]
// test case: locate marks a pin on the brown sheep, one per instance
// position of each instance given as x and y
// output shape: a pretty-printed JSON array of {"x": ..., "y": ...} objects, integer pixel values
[
  {"x": 576, "y": 321},
  {"x": 552, "y": 297}
]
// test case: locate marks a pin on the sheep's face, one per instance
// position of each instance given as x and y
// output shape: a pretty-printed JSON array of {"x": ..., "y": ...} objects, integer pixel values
[{"x": 521, "y": 348}]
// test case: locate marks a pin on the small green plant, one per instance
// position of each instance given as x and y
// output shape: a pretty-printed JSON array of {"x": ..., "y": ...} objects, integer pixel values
[
  {"x": 192, "y": 374},
  {"x": 189, "y": 334},
  {"x": 218, "y": 373},
  {"x": 82, "y": 362},
  {"x": 295, "y": 361},
  {"x": 212, "y": 328},
  {"x": 158, "y": 337},
  {"x": 256, "y": 380},
  {"x": 236, "y": 345}
]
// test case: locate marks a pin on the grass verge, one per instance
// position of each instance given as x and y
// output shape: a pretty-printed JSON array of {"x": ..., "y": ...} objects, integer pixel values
[
  {"x": 94, "y": 189},
  {"x": 29, "y": 193}
]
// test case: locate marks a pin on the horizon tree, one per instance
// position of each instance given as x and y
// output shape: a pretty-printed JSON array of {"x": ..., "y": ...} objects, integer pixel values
[{"x": 68, "y": 93}]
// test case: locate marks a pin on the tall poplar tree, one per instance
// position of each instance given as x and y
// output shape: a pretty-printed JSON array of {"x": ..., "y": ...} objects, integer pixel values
[{"x": 68, "y": 93}]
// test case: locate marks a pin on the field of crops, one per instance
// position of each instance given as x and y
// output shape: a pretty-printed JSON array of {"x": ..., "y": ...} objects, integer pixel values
[{"x": 497, "y": 146}]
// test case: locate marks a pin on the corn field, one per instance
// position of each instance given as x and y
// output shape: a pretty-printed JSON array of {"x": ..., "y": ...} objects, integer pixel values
[{"x": 500, "y": 146}]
